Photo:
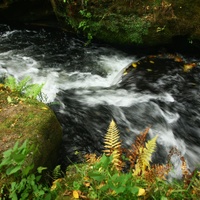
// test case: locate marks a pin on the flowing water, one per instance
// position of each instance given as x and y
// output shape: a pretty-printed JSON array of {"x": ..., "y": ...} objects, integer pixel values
[{"x": 84, "y": 87}]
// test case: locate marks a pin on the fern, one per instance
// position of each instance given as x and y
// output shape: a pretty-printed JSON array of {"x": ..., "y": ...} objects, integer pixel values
[
  {"x": 23, "y": 84},
  {"x": 135, "y": 150},
  {"x": 33, "y": 90},
  {"x": 23, "y": 87},
  {"x": 57, "y": 173},
  {"x": 113, "y": 145},
  {"x": 91, "y": 158},
  {"x": 157, "y": 172},
  {"x": 11, "y": 83},
  {"x": 111, "y": 140},
  {"x": 144, "y": 157}
]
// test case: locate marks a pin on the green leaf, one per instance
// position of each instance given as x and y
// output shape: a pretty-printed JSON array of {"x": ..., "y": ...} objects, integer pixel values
[
  {"x": 40, "y": 169},
  {"x": 120, "y": 189},
  {"x": 104, "y": 162},
  {"x": 9, "y": 99},
  {"x": 134, "y": 190},
  {"x": 13, "y": 170},
  {"x": 27, "y": 169},
  {"x": 97, "y": 176}
]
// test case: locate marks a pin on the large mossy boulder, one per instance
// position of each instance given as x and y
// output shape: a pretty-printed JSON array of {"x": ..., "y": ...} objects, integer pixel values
[{"x": 24, "y": 119}]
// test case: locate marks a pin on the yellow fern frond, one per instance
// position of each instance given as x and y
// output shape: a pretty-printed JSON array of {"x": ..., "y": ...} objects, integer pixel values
[
  {"x": 113, "y": 145},
  {"x": 144, "y": 157},
  {"x": 111, "y": 139},
  {"x": 135, "y": 150},
  {"x": 116, "y": 161},
  {"x": 148, "y": 151}
]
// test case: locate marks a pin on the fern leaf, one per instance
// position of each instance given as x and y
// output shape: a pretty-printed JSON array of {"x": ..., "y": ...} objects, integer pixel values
[
  {"x": 144, "y": 157},
  {"x": 135, "y": 150},
  {"x": 111, "y": 139},
  {"x": 11, "y": 82},
  {"x": 33, "y": 90},
  {"x": 148, "y": 151},
  {"x": 157, "y": 172},
  {"x": 113, "y": 145},
  {"x": 21, "y": 86},
  {"x": 91, "y": 158}
]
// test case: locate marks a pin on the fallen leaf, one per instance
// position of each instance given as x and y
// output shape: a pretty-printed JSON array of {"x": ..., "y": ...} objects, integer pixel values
[
  {"x": 134, "y": 65},
  {"x": 75, "y": 194},
  {"x": 141, "y": 192},
  {"x": 188, "y": 67}
]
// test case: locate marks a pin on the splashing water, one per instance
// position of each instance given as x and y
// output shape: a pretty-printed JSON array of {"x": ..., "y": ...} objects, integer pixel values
[{"x": 87, "y": 83}]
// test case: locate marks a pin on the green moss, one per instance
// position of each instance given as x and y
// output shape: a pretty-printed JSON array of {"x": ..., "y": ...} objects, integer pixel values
[{"x": 29, "y": 119}]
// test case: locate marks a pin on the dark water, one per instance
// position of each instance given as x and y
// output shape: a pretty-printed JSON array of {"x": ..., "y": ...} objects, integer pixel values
[{"x": 87, "y": 83}]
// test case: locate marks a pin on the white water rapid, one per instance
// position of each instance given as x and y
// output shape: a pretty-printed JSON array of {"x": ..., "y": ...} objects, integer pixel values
[{"x": 84, "y": 80}]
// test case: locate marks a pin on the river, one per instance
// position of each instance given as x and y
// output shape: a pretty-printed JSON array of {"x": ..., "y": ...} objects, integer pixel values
[{"x": 84, "y": 87}]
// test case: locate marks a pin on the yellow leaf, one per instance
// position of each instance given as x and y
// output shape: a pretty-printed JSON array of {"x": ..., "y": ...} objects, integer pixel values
[
  {"x": 44, "y": 108},
  {"x": 188, "y": 67},
  {"x": 75, "y": 194},
  {"x": 54, "y": 185},
  {"x": 141, "y": 192},
  {"x": 125, "y": 72},
  {"x": 134, "y": 65},
  {"x": 151, "y": 61}
]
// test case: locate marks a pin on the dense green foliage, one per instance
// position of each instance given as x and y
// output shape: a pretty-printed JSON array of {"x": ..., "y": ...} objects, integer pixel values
[
  {"x": 108, "y": 21},
  {"x": 25, "y": 184}
]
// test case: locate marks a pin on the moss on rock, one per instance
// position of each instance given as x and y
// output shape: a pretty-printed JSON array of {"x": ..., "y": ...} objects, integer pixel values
[{"x": 27, "y": 119}]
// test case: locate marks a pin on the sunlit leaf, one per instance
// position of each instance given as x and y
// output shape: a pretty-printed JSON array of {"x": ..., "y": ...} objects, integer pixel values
[
  {"x": 188, "y": 67},
  {"x": 9, "y": 99},
  {"x": 134, "y": 65},
  {"x": 141, "y": 192},
  {"x": 75, "y": 194}
]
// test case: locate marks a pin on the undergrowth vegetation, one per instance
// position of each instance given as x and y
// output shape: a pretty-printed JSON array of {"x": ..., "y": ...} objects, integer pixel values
[
  {"x": 127, "y": 173},
  {"x": 118, "y": 174},
  {"x": 22, "y": 182},
  {"x": 108, "y": 21}
]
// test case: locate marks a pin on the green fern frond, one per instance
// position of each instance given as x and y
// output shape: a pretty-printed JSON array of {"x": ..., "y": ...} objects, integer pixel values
[
  {"x": 23, "y": 84},
  {"x": 57, "y": 172},
  {"x": 33, "y": 90},
  {"x": 144, "y": 157},
  {"x": 11, "y": 83}
]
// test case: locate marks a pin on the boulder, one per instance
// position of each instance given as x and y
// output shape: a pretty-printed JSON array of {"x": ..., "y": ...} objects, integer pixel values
[{"x": 28, "y": 119}]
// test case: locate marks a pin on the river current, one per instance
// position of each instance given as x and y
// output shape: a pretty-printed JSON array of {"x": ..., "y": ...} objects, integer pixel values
[{"x": 83, "y": 85}]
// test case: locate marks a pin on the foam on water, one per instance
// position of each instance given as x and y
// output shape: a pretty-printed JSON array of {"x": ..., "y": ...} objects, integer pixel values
[{"x": 91, "y": 75}]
